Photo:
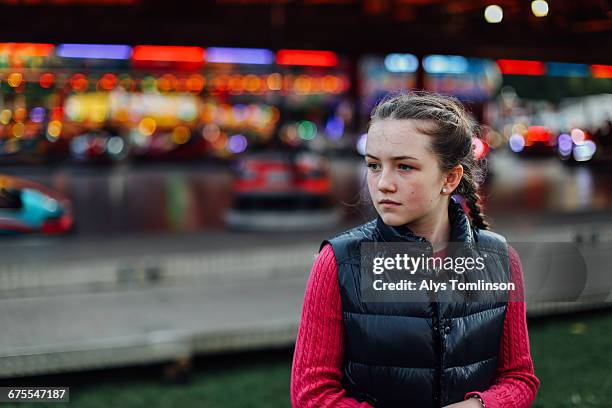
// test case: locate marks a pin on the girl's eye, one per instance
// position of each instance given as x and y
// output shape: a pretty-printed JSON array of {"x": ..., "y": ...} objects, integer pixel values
[
  {"x": 405, "y": 167},
  {"x": 373, "y": 166}
]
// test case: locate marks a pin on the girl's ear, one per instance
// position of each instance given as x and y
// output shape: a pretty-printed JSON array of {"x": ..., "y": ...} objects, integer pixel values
[{"x": 453, "y": 178}]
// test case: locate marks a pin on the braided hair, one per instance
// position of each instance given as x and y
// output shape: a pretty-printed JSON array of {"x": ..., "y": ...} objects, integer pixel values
[{"x": 452, "y": 129}]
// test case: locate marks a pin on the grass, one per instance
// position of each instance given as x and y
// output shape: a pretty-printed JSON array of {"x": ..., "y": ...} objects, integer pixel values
[{"x": 572, "y": 357}]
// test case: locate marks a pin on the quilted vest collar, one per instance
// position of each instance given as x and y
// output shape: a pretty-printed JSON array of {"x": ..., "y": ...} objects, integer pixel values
[{"x": 461, "y": 230}]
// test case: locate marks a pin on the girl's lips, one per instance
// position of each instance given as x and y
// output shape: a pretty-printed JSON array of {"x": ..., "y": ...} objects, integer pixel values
[{"x": 388, "y": 203}]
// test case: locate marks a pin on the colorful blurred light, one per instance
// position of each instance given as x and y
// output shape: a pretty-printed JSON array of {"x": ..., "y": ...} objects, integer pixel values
[
  {"x": 108, "y": 82},
  {"x": 274, "y": 82},
  {"x": 54, "y": 129},
  {"x": 401, "y": 63},
  {"x": 577, "y": 135},
  {"x": 237, "y": 144},
  {"x": 20, "y": 114},
  {"x": 480, "y": 148},
  {"x": 211, "y": 132},
  {"x": 521, "y": 67},
  {"x": 361, "y": 144},
  {"x": 585, "y": 151},
  {"x": 445, "y": 64},
  {"x": 18, "y": 129},
  {"x": 37, "y": 114},
  {"x": 46, "y": 80},
  {"x": 334, "y": 127},
  {"x": 94, "y": 51},
  {"x": 195, "y": 83},
  {"x": 147, "y": 126},
  {"x": 26, "y": 49},
  {"x": 307, "y": 58},
  {"x": 565, "y": 144},
  {"x": 601, "y": 71},
  {"x": 493, "y": 14},
  {"x": 239, "y": 55},
  {"x": 14, "y": 79},
  {"x": 181, "y": 135},
  {"x": 79, "y": 82},
  {"x": 563, "y": 69},
  {"x": 115, "y": 145},
  {"x": 5, "y": 116},
  {"x": 168, "y": 53},
  {"x": 516, "y": 142},
  {"x": 307, "y": 130},
  {"x": 539, "y": 8}
]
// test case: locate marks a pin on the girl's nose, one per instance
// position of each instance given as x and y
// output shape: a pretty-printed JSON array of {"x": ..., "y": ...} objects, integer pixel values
[{"x": 385, "y": 182}]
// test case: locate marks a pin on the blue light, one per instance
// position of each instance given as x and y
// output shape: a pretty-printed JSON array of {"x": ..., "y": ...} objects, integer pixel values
[
  {"x": 37, "y": 114},
  {"x": 361, "y": 144},
  {"x": 565, "y": 144},
  {"x": 334, "y": 127},
  {"x": 562, "y": 69},
  {"x": 516, "y": 142},
  {"x": 445, "y": 64},
  {"x": 401, "y": 63},
  {"x": 98, "y": 51},
  {"x": 237, "y": 144},
  {"x": 239, "y": 55}
]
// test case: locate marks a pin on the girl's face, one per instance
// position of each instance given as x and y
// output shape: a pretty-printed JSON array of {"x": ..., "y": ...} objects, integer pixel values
[{"x": 404, "y": 178}]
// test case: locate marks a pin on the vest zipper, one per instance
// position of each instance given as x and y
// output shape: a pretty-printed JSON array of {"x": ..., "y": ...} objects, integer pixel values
[{"x": 438, "y": 332}]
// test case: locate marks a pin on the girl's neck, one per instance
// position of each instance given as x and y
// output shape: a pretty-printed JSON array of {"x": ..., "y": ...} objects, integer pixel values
[{"x": 435, "y": 227}]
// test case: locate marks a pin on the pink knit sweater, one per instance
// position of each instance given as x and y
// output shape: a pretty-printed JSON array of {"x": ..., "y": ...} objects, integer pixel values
[{"x": 316, "y": 376}]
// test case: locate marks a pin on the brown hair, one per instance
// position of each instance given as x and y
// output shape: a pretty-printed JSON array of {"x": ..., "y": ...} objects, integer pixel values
[{"x": 453, "y": 131}]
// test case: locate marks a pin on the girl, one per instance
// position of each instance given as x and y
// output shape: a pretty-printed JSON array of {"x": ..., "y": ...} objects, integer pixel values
[{"x": 350, "y": 353}]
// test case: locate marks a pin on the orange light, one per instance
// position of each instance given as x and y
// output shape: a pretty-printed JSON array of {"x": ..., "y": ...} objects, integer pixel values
[
  {"x": 302, "y": 84},
  {"x": 236, "y": 84},
  {"x": 168, "y": 53},
  {"x": 26, "y": 49},
  {"x": 181, "y": 135},
  {"x": 521, "y": 67},
  {"x": 20, "y": 114},
  {"x": 307, "y": 58},
  {"x": 15, "y": 79},
  {"x": 253, "y": 83},
  {"x": 167, "y": 82},
  {"x": 331, "y": 84},
  {"x": 195, "y": 83},
  {"x": 274, "y": 82},
  {"x": 601, "y": 71}
]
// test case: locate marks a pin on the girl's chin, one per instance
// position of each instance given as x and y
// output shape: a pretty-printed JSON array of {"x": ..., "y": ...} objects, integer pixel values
[{"x": 394, "y": 220}]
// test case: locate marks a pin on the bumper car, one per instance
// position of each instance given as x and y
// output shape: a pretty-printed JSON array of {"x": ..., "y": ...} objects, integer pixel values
[
  {"x": 282, "y": 191},
  {"x": 27, "y": 207}
]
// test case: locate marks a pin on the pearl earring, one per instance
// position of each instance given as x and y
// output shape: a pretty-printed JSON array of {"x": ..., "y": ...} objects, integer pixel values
[{"x": 444, "y": 190}]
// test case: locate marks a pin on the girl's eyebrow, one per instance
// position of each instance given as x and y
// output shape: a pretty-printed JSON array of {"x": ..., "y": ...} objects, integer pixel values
[{"x": 394, "y": 157}]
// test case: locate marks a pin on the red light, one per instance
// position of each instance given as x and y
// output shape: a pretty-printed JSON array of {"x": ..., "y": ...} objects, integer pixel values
[
  {"x": 108, "y": 81},
  {"x": 168, "y": 53},
  {"x": 521, "y": 67},
  {"x": 79, "y": 82},
  {"x": 601, "y": 71},
  {"x": 308, "y": 58},
  {"x": 480, "y": 148},
  {"x": 46, "y": 80},
  {"x": 537, "y": 134}
]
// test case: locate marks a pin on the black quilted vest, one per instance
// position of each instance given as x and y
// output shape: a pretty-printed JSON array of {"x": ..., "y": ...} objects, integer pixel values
[{"x": 408, "y": 354}]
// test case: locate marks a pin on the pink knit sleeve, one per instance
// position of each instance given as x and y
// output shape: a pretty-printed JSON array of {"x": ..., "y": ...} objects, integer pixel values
[
  {"x": 515, "y": 385},
  {"x": 316, "y": 376}
]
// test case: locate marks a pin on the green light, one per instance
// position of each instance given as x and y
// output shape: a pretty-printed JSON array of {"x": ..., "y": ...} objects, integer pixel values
[{"x": 307, "y": 130}]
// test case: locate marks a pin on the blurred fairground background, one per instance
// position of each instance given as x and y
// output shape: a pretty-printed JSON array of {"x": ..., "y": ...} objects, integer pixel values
[{"x": 168, "y": 170}]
